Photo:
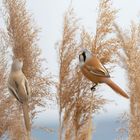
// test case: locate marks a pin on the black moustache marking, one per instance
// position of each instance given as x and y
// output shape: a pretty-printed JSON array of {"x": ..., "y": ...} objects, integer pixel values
[{"x": 84, "y": 55}]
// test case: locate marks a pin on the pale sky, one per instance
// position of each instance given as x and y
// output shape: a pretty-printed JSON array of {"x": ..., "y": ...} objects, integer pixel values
[{"x": 48, "y": 15}]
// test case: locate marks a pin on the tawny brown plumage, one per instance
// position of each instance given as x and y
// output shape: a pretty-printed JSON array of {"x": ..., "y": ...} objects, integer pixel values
[
  {"x": 19, "y": 87},
  {"x": 96, "y": 72}
]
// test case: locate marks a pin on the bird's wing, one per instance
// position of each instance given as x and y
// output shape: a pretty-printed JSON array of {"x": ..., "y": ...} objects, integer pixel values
[
  {"x": 13, "y": 91},
  {"x": 102, "y": 68},
  {"x": 95, "y": 67},
  {"x": 27, "y": 87},
  {"x": 98, "y": 72}
]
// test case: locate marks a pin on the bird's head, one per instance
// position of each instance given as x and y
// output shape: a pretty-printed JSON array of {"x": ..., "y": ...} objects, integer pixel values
[
  {"x": 84, "y": 56},
  {"x": 17, "y": 64}
]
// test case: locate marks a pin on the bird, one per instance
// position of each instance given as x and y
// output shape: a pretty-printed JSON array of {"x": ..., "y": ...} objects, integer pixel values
[
  {"x": 18, "y": 86},
  {"x": 96, "y": 72}
]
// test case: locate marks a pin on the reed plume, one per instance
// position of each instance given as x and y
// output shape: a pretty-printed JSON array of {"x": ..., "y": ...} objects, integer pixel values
[
  {"x": 23, "y": 37},
  {"x": 74, "y": 94},
  {"x": 129, "y": 42},
  {"x": 105, "y": 42},
  {"x": 5, "y": 100}
]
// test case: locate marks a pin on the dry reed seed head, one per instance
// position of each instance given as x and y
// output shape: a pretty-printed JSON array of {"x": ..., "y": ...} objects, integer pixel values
[
  {"x": 22, "y": 34},
  {"x": 129, "y": 42},
  {"x": 73, "y": 90},
  {"x": 5, "y": 103},
  {"x": 105, "y": 43}
]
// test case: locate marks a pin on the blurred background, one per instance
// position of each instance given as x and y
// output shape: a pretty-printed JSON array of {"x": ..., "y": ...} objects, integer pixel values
[{"x": 48, "y": 15}]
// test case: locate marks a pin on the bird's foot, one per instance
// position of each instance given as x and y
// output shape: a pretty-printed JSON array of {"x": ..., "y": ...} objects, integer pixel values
[
  {"x": 93, "y": 87},
  {"x": 20, "y": 101}
]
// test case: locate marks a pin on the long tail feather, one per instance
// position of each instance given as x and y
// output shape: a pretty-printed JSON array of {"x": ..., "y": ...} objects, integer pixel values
[
  {"x": 116, "y": 88},
  {"x": 26, "y": 117}
]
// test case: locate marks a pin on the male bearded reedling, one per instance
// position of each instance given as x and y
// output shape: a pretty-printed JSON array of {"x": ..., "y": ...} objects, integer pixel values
[
  {"x": 19, "y": 87},
  {"x": 93, "y": 70}
]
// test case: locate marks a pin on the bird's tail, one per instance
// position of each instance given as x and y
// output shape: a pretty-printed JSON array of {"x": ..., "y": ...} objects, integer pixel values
[
  {"x": 116, "y": 88},
  {"x": 26, "y": 118}
]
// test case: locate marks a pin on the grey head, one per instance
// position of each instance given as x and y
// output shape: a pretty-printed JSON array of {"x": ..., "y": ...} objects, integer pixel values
[
  {"x": 17, "y": 64},
  {"x": 84, "y": 56}
]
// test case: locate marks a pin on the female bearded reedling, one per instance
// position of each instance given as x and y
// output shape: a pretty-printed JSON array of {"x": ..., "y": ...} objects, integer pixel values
[
  {"x": 93, "y": 70},
  {"x": 19, "y": 87}
]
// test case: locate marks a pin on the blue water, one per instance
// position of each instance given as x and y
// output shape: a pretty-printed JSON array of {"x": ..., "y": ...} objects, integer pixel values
[
  {"x": 44, "y": 135},
  {"x": 105, "y": 129}
]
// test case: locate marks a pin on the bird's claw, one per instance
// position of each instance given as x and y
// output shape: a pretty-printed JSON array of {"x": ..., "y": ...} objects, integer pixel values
[{"x": 93, "y": 88}]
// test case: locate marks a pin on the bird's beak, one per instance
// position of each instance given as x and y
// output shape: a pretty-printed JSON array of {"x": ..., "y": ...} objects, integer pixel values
[
  {"x": 80, "y": 53},
  {"x": 21, "y": 59},
  {"x": 82, "y": 50}
]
